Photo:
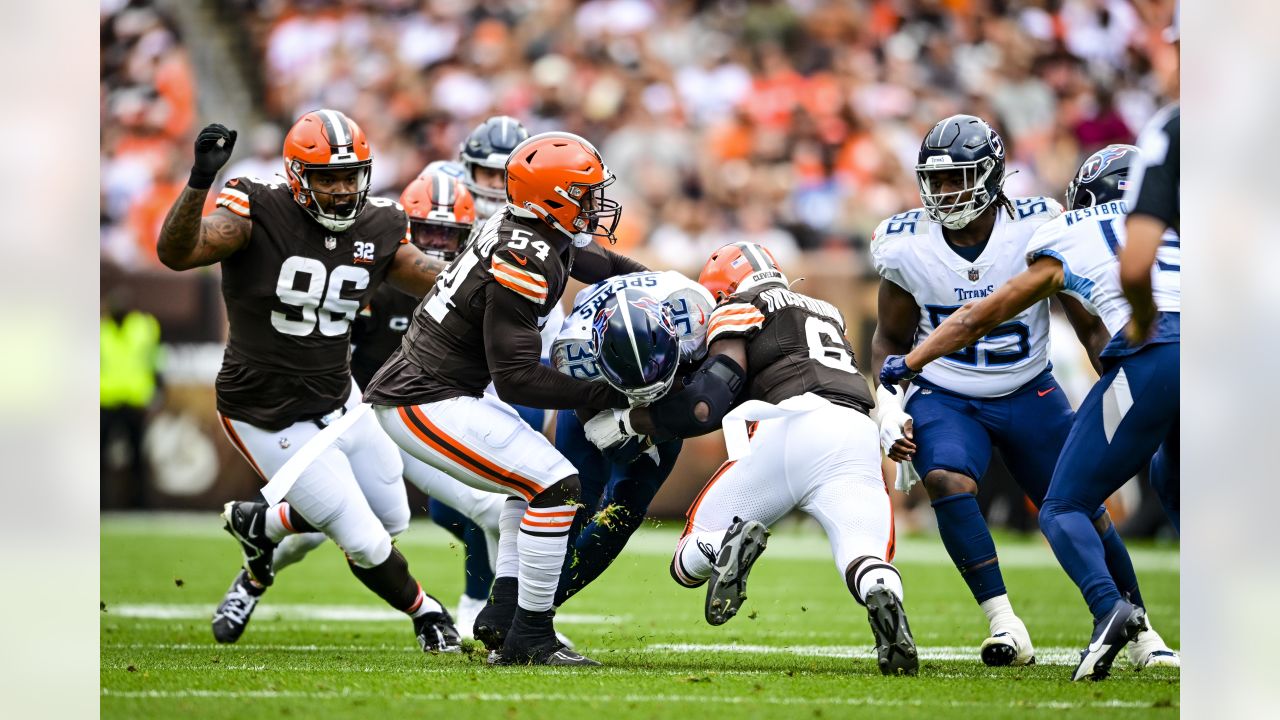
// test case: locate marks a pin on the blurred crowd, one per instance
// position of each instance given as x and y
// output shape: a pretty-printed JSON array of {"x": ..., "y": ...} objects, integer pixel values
[{"x": 793, "y": 123}]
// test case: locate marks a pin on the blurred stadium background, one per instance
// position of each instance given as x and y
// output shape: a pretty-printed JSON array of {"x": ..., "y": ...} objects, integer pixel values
[{"x": 794, "y": 124}]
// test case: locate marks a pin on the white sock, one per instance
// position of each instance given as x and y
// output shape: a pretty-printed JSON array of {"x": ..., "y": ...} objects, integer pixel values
[
  {"x": 293, "y": 548},
  {"x": 880, "y": 574},
  {"x": 693, "y": 562},
  {"x": 278, "y": 522},
  {"x": 543, "y": 541},
  {"x": 424, "y": 604},
  {"x": 999, "y": 612},
  {"x": 507, "y": 563}
]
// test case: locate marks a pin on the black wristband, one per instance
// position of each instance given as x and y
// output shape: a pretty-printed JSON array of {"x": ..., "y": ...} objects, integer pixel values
[{"x": 201, "y": 180}]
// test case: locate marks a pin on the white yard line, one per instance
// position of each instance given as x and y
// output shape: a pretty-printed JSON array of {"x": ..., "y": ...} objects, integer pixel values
[
  {"x": 303, "y": 612},
  {"x": 596, "y": 698},
  {"x": 800, "y": 542}
]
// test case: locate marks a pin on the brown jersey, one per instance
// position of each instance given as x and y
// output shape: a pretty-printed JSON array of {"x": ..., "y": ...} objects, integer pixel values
[
  {"x": 795, "y": 344},
  {"x": 291, "y": 294},
  {"x": 378, "y": 330},
  {"x": 480, "y": 322}
]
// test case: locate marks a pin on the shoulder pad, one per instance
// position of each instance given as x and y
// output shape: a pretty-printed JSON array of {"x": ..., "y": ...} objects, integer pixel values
[
  {"x": 518, "y": 270},
  {"x": 1036, "y": 209}
]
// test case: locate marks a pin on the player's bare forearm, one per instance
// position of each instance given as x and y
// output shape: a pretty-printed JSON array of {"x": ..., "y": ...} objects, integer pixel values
[
  {"x": 413, "y": 271},
  {"x": 1144, "y": 234},
  {"x": 968, "y": 324},
  {"x": 187, "y": 240},
  {"x": 1090, "y": 329},
  {"x": 896, "y": 319}
]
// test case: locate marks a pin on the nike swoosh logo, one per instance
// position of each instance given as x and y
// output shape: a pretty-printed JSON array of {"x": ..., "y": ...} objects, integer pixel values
[
  {"x": 1098, "y": 645},
  {"x": 519, "y": 259},
  {"x": 1042, "y": 393}
]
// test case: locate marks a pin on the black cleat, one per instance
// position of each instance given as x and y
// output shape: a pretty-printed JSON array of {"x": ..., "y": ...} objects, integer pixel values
[
  {"x": 532, "y": 641},
  {"x": 233, "y": 613},
  {"x": 1110, "y": 634},
  {"x": 247, "y": 523},
  {"x": 744, "y": 541},
  {"x": 494, "y": 620},
  {"x": 560, "y": 655},
  {"x": 895, "y": 648},
  {"x": 436, "y": 632}
]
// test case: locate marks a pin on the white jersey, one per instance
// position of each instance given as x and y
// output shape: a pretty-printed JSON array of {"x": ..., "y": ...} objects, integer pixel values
[
  {"x": 690, "y": 304},
  {"x": 1086, "y": 242},
  {"x": 910, "y": 251}
]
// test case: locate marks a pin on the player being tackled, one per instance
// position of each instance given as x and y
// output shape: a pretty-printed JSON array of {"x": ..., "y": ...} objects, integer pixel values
[{"x": 780, "y": 377}]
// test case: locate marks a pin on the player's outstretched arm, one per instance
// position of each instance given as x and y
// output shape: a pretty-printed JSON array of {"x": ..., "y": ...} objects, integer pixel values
[
  {"x": 413, "y": 271},
  {"x": 1137, "y": 255},
  {"x": 968, "y": 324},
  {"x": 594, "y": 263},
  {"x": 186, "y": 240}
]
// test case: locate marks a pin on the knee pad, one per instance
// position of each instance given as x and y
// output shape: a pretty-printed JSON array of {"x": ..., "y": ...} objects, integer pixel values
[{"x": 368, "y": 551}]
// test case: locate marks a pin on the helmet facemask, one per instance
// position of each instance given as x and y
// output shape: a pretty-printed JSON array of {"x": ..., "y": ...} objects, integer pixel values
[
  {"x": 599, "y": 215},
  {"x": 956, "y": 209},
  {"x": 332, "y": 219},
  {"x": 440, "y": 240},
  {"x": 489, "y": 200}
]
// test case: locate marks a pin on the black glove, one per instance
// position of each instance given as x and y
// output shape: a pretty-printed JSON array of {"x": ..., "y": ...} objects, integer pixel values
[{"x": 213, "y": 149}]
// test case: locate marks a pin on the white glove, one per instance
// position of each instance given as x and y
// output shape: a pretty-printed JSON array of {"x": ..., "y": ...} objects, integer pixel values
[
  {"x": 609, "y": 428},
  {"x": 893, "y": 422}
]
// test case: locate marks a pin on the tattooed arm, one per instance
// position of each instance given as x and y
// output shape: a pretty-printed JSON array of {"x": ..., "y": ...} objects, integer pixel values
[
  {"x": 414, "y": 272},
  {"x": 187, "y": 240}
]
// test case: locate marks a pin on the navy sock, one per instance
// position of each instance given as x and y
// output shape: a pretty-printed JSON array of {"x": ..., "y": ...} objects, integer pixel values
[
  {"x": 479, "y": 573},
  {"x": 1080, "y": 552},
  {"x": 968, "y": 541},
  {"x": 1120, "y": 566}
]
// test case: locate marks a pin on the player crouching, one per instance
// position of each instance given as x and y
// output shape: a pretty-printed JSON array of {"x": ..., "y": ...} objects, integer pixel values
[{"x": 801, "y": 439}]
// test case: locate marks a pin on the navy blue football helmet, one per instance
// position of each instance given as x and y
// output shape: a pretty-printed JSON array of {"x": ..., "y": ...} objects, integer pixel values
[
  {"x": 965, "y": 148},
  {"x": 636, "y": 345},
  {"x": 1103, "y": 177},
  {"x": 488, "y": 146}
]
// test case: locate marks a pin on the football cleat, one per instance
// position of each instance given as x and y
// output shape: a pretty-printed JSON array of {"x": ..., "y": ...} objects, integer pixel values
[
  {"x": 436, "y": 633},
  {"x": 1008, "y": 645},
  {"x": 560, "y": 655},
  {"x": 895, "y": 648},
  {"x": 247, "y": 523},
  {"x": 233, "y": 613},
  {"x": 744, "y": 541},
  {"x": 1110, "y": 634},
  {"x": 468, "y": 609},
  {"x": 494, "y": 619},
  {"x": 1149, "y": 650}
]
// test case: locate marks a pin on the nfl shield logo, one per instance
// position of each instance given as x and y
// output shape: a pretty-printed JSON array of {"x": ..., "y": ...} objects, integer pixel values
[
  {"x": 973, "y": 274},
  {"x": 331, "y": 242}
]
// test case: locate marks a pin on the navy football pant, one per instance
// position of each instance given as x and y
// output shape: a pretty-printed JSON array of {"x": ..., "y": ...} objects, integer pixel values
[
  {"x": 615, "y": 499},
  {"x": 1130, "y": 413}
]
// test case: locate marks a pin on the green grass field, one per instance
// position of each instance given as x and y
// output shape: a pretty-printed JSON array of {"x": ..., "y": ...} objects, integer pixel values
[{"x": 321, "y": 646}]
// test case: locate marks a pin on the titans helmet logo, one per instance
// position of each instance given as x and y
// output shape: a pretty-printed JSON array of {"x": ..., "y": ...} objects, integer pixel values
[
  {"x": 657, "y": 310},
  {"x": 1099, "y": 162}
]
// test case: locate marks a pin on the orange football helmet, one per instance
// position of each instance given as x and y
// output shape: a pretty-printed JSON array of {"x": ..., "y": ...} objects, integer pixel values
[
  {"x": 561, "y": 178},
  {"x": 739, "y": 266},
  {"x": 441, "y": 212},
  {"x": 328, "y": 140}
]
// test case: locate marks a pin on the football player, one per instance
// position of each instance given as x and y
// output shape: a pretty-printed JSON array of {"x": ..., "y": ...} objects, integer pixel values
[
  {"x": 1076, "y": 254},
  {"x": 967, "y": 241},
  {"x": 633, "y": 332},
  {"x": 480, "y": 323},
  {"x": 483, "y": 154},
  {"x": 299, "y": 257},
  {"x": 802, "y": 439}
]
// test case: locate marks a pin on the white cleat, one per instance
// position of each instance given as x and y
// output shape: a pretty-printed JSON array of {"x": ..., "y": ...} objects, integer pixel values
[
  {"x": 468, "y": 609},
  {"x": 1009, "y": 644},
  {"x": 1149, "y": 650}
]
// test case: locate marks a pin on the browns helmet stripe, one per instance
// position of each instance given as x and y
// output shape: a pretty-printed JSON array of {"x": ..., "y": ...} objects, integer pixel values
[
  {"x": 444, "y": 193},
  {"x": 336, "y": 129}
]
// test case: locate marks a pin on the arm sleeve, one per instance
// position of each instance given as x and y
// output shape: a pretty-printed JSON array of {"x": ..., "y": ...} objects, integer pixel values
[
  {"x": 514, "y": 347},
  {"x": 734, "y": 320},
  {"x": 234, "y": 196},
  {"x": 594, "y": 263}
]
